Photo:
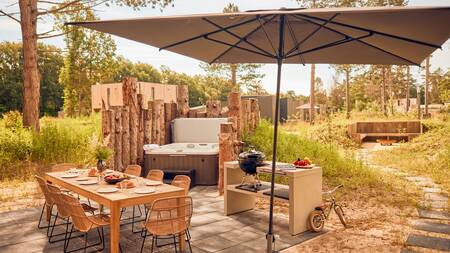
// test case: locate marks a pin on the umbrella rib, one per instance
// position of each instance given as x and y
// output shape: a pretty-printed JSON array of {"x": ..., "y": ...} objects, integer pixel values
[
  {"x": 291, "y": 32},
  {"x": 376, "y": 32},
  {"x": 332, "y": 44},
  {"x": 363, "y": 42},
  {"x": 235, "y": 46},
  {"x": 311, "y": 34},
  {"x": 267, "y": 35},
  {"x": 244, "y": 39},
  {"x": 207, "y": 34}
]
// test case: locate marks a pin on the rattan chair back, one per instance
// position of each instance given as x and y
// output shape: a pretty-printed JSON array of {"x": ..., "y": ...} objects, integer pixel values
[
  {"x": 43, "y": 185},
  {"x": 55, "y": 193},
  {"x": 79, "y": 218},
  {"x": 182, "y": 181},
  {"x": 134, "y": 170},
  {"x": 170, "y": 216},
  {"x": 156, "y": 175}
]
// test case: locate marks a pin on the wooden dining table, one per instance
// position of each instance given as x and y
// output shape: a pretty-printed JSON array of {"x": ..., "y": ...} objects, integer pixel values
[{"x": 114, "y": 201}]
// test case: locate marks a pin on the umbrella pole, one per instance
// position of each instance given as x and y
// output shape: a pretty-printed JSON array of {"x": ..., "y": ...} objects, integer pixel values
[{"x": 270, "y": 236}]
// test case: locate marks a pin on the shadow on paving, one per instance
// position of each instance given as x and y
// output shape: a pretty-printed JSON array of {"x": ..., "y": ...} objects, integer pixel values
[{"x": 211, "y": 230}]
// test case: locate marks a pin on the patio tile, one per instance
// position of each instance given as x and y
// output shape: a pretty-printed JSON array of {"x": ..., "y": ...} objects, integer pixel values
[
  {"x": 213, "y": 244},
  {"x": 240, "y": 235},
  {"x": 238, "y": 249},
  {"x": 259, "y": 245},
  {"x": 199, "y": 220},
  {"x": 428, "y": 242},
  {"x": 405, "y": 250}
]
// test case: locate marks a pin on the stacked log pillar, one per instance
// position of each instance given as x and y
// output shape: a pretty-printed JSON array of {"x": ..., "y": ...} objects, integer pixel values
[
  {"x": 148, "y": 123},
  {"x": 118, "y": 137},
  {"x": 213, "y": 108},
  {"x": 170, "y": 111},
  {"x": 129, "y": 92},
  {"x": 141, "y": 129},
  {"x": 158, "y": 122},
  {"x": 254, "y": 114},
  {"x": 234, "y": 112},
  {"x": 245, "y": 115},
  {"x": 226, "y": 151},
  {"x": 183, "y": 101},
  {"x": 126, "y": 155}
]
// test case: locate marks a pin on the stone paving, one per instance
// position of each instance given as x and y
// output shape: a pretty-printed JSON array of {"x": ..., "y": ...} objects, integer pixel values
[
  {"x": 434, "y": 205},
  {"x": 211, "y": 230}
]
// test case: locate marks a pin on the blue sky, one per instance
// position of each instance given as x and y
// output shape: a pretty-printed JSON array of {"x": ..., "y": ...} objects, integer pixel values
[{"x": 295, "y": 77}]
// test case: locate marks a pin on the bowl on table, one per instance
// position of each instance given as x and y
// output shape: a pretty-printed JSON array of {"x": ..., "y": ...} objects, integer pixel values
[{"x": 114, "y": 179}]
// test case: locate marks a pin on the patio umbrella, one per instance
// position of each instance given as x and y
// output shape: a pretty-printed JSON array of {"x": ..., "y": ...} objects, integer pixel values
[{"x": 386, "y": 35}]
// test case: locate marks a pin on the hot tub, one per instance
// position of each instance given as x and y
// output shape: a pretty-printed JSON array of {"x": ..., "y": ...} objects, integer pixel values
[{"x": 186, "y": 154}]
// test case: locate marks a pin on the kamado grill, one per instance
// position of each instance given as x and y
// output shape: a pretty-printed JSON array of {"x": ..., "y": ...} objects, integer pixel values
[{"x": 249, "y": 162}]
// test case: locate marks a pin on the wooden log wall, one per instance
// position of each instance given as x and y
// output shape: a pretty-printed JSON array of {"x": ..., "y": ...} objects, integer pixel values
[{"x": 126, "y": 129}]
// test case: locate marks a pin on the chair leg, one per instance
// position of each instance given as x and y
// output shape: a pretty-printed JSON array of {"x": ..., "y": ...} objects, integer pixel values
[
  {"x": 153, "y": 242},
  {"x": 143, "y": 241},
  {"x": 65, "y": 235},
  {"x": 85, "y": 241},
  {"x": 175, "y": 243},
  {"x": 189, "y": 243},
  {"x": 68, "y": 239},
  {"x": 50, "y": 235},
  {"x": 42, "y": 215}
]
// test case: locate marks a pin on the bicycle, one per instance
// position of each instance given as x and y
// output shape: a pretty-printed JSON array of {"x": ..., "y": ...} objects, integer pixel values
[{"x": 320, "y": 214}]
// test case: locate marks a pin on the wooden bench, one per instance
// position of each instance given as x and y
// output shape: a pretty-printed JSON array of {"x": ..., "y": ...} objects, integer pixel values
[{"x": 385, "y": 130}]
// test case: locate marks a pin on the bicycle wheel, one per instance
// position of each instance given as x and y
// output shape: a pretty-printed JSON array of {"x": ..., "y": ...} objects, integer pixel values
[
  {"x": 316, "y": 221},
  {"x": 340, "y": 212}
]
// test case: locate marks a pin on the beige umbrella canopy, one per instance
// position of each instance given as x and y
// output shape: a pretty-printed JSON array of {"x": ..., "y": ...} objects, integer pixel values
[{"x": 393, "y": 35}]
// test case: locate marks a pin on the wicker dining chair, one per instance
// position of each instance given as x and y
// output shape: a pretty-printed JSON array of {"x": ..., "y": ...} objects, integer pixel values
[
  {"x": 156, "y": 175},
  {"x": 134, "y": 170},
  {"x": 168, "y": 218},
  {"x": 62, "y": 212},
  {"x": 182, "y": 181},
  {"x": 48, "y": 204},
  {"x": 84, "y": 223}
]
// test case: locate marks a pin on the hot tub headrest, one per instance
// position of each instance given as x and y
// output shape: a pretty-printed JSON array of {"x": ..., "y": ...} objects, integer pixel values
[{"x": 197, "y": 130}]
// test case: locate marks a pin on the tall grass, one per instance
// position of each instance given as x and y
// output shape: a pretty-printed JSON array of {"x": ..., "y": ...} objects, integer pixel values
[{"x": 23, "y": 152}]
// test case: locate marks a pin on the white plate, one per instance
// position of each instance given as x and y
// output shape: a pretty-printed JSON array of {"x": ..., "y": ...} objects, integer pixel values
[
  {"x": 89, "y": 182},
  {"x": 82, "y": 179},
  {"x": 107, "y": 190},
  {"x": 153, "y": 183},
  {"x": 70, "y": 175},
  {"x": 144, "y": 190}
]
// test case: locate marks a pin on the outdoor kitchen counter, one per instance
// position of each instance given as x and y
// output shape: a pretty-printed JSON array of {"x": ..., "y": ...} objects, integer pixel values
[{"x": 303, "y": 193}]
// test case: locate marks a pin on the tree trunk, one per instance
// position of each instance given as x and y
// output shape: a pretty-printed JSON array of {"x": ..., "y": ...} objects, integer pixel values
[
  {"x": 391, "y": 90},
  {"x": 427, "y": 83},
  {"x": 418, "y": 102},
  {"x": 233, "y": 68},
  {"x": 383, "y": 91},
  {"x": 148, "y": 125},
  {"x": 31, "y": 79},
  {"x": 129, "y": 88},
  {"x": 312, "y": 96},
  {"x": 347, "y": 92},
  {"x": 407, "y": 88},
  {"x": 140, "y": 132}
]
